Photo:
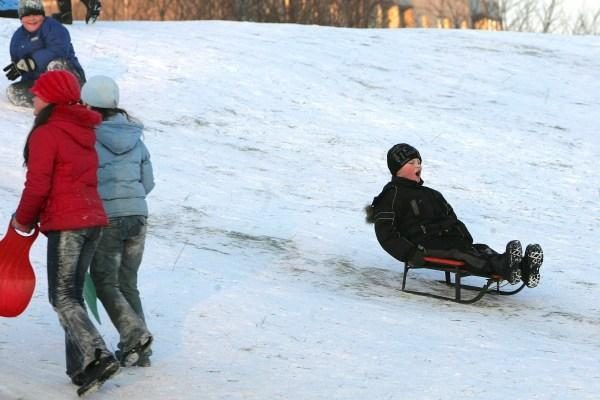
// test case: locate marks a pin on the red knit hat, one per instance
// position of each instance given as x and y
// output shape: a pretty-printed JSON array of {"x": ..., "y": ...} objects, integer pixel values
[{"x": 57, "y": 87}]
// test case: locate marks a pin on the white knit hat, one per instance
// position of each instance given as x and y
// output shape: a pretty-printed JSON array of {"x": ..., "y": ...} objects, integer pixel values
[
  {"x": 30, "y": 7},
  {"x": 100, "y": 91}
]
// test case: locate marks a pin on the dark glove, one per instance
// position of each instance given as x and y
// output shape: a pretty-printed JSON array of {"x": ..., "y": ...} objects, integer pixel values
[
  {"x": 417, "y": 256},
  {"x": 16, "y": 69},
  {"x": 20, "y": 227}
]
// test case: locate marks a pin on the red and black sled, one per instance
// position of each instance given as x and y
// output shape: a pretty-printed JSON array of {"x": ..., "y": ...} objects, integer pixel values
[
  {"x": 17, "y": 279},
  {"x": 459, "y": 269}
]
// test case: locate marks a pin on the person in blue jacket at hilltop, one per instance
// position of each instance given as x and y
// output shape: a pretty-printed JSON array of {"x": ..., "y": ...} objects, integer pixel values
[{"x": 40, "y": 44}]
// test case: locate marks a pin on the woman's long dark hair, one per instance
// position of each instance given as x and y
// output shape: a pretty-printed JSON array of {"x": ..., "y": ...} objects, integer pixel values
[
  {"x": 40, "y": 119},
  {"x": 109, "y": 112}
]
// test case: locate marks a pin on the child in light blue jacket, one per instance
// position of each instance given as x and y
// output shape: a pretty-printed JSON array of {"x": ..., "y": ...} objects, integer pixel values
[{"x": 125, "y": 177}]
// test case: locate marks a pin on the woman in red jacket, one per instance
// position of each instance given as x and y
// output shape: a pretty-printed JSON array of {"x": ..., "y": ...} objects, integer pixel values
[{"x": 61, "y": 195}]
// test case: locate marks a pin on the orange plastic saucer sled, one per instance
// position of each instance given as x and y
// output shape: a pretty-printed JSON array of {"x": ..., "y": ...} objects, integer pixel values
[{"x": 17, "y": 279}]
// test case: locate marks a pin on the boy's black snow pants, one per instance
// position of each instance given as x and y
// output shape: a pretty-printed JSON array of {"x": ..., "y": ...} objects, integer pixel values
[{"x": 480, "y": 258}]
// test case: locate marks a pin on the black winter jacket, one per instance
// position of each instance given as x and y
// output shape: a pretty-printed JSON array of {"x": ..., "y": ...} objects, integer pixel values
[{"x": 408, "y": 215}]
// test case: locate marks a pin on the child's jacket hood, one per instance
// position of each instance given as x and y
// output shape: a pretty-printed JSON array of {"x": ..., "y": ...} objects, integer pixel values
[{"x": 118, "y": 134}]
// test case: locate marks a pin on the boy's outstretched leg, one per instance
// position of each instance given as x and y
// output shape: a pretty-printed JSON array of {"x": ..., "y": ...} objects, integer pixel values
[{"x": 530, "y": 267}]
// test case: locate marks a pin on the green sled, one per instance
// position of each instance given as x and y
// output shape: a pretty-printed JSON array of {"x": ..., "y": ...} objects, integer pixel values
[{"x": 89, "y": 294}]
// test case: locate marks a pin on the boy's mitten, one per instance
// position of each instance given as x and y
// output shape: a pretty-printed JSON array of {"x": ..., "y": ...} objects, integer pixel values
[
  {"x": 14, "y": 70},
  {"x": 417, "y": 256}
]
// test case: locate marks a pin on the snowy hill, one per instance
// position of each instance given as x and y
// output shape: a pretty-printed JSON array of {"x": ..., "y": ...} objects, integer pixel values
[{"x": 261, "y": 279}]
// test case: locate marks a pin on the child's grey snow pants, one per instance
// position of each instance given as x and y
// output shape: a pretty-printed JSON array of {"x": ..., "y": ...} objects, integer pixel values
[
  {"x": 114, "y": 271},
  {"x": 69, "y": 255}
]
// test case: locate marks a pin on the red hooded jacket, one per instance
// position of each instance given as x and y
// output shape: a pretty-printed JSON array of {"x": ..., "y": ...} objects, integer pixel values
[{"x": 61, "y": 186}]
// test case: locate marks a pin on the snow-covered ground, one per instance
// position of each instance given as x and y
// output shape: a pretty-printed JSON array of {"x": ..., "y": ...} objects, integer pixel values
[{"x": 261, "y": 279}]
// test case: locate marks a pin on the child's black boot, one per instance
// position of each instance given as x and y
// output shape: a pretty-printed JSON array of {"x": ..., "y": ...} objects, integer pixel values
[
  {"x": 513, "y": 257},
  {"x": 144, "y": 360},
  {"x": 97, "y": 372},
  {"x": 132, "y": 356},
  {"x": 530, "y": 267}
]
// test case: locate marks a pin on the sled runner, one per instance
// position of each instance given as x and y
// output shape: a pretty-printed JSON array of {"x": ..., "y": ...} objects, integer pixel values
[
  {"x": 458, "y": 268},
  {"x": 17, "y": 279}
]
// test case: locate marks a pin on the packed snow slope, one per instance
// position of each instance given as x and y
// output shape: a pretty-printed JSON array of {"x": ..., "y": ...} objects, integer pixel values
[{"x": 261, "y": 279}]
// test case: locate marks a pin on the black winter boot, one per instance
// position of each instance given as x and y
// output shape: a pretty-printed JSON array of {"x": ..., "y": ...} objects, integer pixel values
[
  {"x": 144, "y": 361},
  {"x": 132, "y": 356},
  {"x": 530, "y": 266},
  {"x": 96, "y": 373},
  {"x": 513, "y": 257}
]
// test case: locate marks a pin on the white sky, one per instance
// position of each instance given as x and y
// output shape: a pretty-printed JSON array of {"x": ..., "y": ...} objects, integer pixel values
[{"x": 574, "y": 6}]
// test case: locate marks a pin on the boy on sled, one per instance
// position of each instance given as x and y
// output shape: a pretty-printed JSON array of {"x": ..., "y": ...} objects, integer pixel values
[{"x": 413, "y": 221}]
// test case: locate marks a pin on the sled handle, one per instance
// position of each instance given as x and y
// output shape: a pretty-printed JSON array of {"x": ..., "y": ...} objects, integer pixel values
[{"x": 26, "y": 237}]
